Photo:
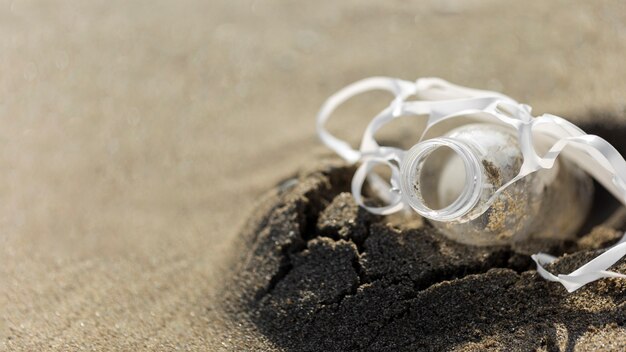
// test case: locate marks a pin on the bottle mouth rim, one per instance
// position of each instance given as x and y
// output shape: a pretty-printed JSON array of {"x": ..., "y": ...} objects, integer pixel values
[{"x": 411, "y": 169}]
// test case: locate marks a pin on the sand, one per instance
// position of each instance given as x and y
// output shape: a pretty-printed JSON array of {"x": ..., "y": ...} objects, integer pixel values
[
  {"x": 138, "y": 138},
  {"x": 320, "y": 274}
]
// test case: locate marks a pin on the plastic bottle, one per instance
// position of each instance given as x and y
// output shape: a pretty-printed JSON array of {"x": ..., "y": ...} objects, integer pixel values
[{"x": 453, "y": 180}]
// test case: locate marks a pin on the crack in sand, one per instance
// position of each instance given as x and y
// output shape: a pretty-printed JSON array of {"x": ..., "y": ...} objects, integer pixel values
[{"x": 317, "y": 198}]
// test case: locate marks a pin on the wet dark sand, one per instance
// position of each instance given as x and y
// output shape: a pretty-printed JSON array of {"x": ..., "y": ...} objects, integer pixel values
[{"x": 318, "y": 273}]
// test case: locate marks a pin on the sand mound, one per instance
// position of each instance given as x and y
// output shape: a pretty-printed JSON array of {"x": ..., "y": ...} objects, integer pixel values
[{"x": 320, "y": 274}]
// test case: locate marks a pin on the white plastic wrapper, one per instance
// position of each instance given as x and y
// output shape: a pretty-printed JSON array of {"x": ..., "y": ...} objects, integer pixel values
[{"x": 441, "y": 104}]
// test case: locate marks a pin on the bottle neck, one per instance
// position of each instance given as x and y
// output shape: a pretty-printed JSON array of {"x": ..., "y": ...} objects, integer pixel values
[{"x": 414, "y": 166}]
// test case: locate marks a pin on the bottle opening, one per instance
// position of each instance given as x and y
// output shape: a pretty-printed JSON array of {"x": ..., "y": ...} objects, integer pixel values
[{"x": 441, "y": 179}]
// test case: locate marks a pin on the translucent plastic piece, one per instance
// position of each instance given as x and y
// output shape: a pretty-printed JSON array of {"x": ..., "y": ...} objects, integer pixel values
[{"x": 485, "y": 170}]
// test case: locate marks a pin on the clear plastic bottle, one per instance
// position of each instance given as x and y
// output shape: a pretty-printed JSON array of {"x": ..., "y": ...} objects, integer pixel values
[{"x": 451, "y": 180}]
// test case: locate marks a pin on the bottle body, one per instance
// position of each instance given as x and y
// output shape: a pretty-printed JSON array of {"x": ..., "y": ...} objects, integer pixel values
[{"x": 548, "y": 203}]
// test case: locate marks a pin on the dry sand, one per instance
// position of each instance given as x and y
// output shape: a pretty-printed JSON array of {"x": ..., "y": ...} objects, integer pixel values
[{"x": 138, "y": 136}]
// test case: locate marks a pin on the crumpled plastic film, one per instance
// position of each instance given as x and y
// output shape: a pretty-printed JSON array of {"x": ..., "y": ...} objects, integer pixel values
[{"x": 437, "y": 101}]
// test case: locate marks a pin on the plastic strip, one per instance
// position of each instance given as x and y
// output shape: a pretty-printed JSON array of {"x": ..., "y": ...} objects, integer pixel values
[{"x": 592, "y": 271}]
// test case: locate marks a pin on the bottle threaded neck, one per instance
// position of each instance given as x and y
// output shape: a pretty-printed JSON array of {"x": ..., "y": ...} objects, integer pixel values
[{"x": 415, "y": 167}]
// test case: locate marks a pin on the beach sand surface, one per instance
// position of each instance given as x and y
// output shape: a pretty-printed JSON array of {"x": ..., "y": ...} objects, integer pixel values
[{"x": 138, "y": 137}]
